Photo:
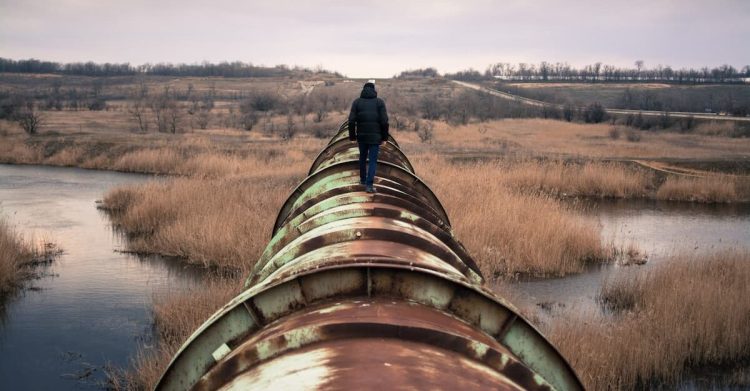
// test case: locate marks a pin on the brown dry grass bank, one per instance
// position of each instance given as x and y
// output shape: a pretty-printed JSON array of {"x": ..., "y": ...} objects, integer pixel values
[
  {"x": 617, "y": 180},
  {"x": 717, "y": 188},
  {"x": 215, "y": 222},
  {"x": 177, "y": 314},
  {"x": 510, "y": 232},
  {"x": 14, "y": 253},
  {"x": 591, "y": 179},
  {"x": 688, "y": 312},
  {"x": 226, "y": 222},
  {"x": 198, "y": 155},
  {"x": 18, "y": 258}
]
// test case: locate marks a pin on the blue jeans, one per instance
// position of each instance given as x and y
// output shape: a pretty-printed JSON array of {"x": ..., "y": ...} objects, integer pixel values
[{"x": 368, "y": 152}]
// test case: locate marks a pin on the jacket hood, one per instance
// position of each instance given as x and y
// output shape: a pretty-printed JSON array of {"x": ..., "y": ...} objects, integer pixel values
[{"x": 368, "y": 93}]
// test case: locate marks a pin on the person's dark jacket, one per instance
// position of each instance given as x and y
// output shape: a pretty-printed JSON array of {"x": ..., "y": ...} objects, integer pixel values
[{"x": 368, "y": 120}]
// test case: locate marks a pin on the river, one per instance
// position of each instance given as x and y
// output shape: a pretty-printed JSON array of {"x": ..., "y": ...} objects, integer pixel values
[
  {"x": 93, "y": 304},
  {"x": 660, "y": 229}
]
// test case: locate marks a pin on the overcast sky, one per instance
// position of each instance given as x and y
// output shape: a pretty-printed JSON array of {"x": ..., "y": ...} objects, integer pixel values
[{"x": 378, "y": 38}]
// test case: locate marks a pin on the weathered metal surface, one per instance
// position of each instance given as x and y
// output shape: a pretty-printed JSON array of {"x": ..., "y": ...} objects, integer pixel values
[
  {"x": 367, "y": 342},
  {"x": 343, "y": 134},
  {"x": 344, "y": 177},
  {"x": 359, "y": 290},
  {"x": 344, "y": 150}
]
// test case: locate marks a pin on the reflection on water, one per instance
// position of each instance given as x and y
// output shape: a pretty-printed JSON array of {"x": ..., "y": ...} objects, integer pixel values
[
  {"x": 661, "y": 229},
  {"x": 94, "y": 307},
  {"x": 658, "y": 228},
  {"x": 664, "y": 228}
]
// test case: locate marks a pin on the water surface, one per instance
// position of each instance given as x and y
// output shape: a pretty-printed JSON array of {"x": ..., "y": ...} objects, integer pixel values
[
  {"x": 660, "y": 229},
  {"x": 92, "y": 305}
]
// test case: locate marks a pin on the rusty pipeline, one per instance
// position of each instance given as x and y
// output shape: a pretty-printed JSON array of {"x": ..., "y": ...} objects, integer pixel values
[{"x": 358, "y": 290}]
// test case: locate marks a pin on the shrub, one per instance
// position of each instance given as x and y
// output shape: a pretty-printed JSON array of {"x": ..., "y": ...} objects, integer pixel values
[
  {"x": 425, "y": 132},
  {"x": 633, "y": 136},
  {"x": 594, "y": 113}
]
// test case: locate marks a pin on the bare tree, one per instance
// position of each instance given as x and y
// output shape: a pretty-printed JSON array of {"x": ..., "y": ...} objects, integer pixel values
[
  {"x": 290, "y": 129},
  {"x": 162, "y": 106},
  {"x": 425, "y": 133},
  {"x": 29, "y": 119},
  {"x": 158, "y": 108},
  {"x": 639, "y": 66},
  {"x": 203, "y": 118},
  {"x": 138, "y": 112},
  {"x": 249, "y": 119},
  {"x": 173, "y": 117}
]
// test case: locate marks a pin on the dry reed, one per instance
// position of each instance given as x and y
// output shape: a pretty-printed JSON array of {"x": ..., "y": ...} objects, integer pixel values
[
  {"x": 152, "y": 161},
  {"x": 687, "y": 312},
  {"x": 589, "y": 179},
  {"x": 177, "y": 314},
  {"x": 226, "y": 222},
  {"x": 19, "y": 153},
  {"x": 14, "y": 253},
  {"x": 509, "y": 232},
  {"x": 217, "y": 222},
  {"x": 18, "y": 258},
  {"x": 715, "y": 188}
]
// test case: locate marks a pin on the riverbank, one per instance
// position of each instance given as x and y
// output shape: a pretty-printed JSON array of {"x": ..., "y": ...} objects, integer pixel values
[
  {"x": 177, "y": 314},
  {"x": 660, "y": 323},
  {"x": 225, "y": 222},
  {"x": 20, "y": 259},
  {"x": 236, "y": 153}
]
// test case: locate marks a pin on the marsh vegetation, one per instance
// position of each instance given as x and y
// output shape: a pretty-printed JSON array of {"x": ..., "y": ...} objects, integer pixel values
[
  {"x": 20, "y": 258},
  {"x": 230, "y": 150}
]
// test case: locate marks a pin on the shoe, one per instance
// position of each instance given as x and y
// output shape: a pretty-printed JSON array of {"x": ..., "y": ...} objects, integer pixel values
[{"x": 371, "y": 189}]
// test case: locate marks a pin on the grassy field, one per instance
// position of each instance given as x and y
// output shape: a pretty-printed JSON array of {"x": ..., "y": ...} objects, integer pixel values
[
  {"x": 645, "y": 96},
  {"x": 569, "y": 140}
]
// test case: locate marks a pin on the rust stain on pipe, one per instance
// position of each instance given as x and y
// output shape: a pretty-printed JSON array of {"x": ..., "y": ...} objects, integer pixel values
[{"x": 358, "y": 290}]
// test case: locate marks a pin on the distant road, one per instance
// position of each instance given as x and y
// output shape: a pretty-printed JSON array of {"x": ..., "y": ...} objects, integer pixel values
[{"x": 539, "y": 103}]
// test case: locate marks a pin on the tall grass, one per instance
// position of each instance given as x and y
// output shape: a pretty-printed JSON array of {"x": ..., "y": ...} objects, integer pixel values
[
  {"x": 588, "y": 179},
  {"x": 688, "y": 312},
  {"x": 717, "y": 188},
  {"x": 19, "y": 153},
  {"x": 510, "y": 232},
  {"x": 14, "y": 254},
  {"x": 177, "y": 314},
  {"x": 152, "y": 161},
  {"x": 214, "y": 222},
  {"x": 226, "y": 222},
  {"x": 18, "y": 258},
  {"x": 272, "y": 162}
]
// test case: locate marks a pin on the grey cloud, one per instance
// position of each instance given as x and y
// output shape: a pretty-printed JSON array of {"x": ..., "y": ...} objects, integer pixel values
[{"x": 379, "y": 38}]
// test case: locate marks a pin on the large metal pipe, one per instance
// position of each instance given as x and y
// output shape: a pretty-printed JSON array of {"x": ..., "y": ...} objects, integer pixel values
[{"x": 359, "y": 290}]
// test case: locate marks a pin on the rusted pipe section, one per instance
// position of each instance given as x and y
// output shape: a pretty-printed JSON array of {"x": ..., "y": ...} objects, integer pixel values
[{"x": 359, "y": 290}]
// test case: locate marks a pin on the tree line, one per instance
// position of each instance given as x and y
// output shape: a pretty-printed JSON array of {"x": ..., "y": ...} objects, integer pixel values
[
  {"x": 206, "y": 69},
  {"x": 599, "y": 72}
]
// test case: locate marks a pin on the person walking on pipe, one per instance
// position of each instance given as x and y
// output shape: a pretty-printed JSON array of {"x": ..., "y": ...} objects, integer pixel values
[{"x": 368, "y": 125}]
